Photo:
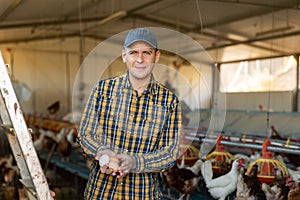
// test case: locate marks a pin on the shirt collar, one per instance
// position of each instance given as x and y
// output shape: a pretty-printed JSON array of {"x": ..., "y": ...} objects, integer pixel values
[{"x": 152, "y": 87}]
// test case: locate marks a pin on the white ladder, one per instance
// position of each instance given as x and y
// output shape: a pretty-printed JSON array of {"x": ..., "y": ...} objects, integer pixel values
[{"x": 32, "y": 175}]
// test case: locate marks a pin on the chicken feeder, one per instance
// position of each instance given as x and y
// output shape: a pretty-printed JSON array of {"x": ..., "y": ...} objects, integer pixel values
[
  {"x": 189, "y": 153},
  {"x": 268, "y": 167},
  {"x": 221, "y": 159}
]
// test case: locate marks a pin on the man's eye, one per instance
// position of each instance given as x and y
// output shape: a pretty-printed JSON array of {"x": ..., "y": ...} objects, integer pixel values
[
  {"x": 147, "y": 53},
  {"x": 132, "y": 52}
]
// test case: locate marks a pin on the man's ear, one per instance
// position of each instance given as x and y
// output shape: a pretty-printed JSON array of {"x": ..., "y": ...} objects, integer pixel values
[
  {"x": 157, "y": 56},
  {"x": 123, "y": 56}
]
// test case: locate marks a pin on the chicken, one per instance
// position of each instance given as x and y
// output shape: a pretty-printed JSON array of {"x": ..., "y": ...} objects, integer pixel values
[
  {"x": 272, "y": 192},
  {"x": 249, "y": 187},
  {"x": 38, "y": 140},
  {"x": 222, "y": 186},
  {"x": 9, "y": 162},
  {"x": 254, "y": 156},
  {"x": 276, "y": 190},
  {"x": 184, "y": 180},
  {"x": 65, "y": 148},
  {"x": 49, "y": 140},
  {"x": 274, "y": 134},
  {"x": 279, "y": 182},
  {"x": 49, "y": 144},
  {"x": 245, "y": 157},
  {"x": 294, "y": 174},
  {"x": 61, "y": 135},
  {"x": 9, "y": 178},
  {"x": 242, "y": 190},
  {"x": 71, "y": 137},
  {"x": 63, "y": 144},
  {"x": 294, "y": 186}
]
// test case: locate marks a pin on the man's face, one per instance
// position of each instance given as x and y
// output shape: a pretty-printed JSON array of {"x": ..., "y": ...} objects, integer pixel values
[{"x": 140, "y": 58}]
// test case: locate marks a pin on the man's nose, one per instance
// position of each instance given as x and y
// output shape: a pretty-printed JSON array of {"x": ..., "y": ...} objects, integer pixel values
[{"x": 140, "y": 57}]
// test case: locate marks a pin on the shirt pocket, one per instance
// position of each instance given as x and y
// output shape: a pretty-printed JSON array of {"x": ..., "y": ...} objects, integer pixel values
[
  {"x": 155, "y": 118},
  {"x": 147, "y": 129}
]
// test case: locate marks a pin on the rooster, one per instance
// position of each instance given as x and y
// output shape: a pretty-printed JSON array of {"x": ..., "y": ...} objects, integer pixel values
[
  {"x": 222, "y": 186},
  {"x": 184, "y": 180}
]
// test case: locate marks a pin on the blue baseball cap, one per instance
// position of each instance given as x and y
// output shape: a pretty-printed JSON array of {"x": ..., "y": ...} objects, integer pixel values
[{"x": 140, "y": 34}]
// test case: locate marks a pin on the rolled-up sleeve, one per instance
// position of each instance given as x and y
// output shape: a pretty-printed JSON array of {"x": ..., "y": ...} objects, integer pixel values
[{"x": 87, "y": 137}]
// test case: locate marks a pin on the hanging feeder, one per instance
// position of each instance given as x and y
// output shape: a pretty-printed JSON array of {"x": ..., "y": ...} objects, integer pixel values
[
  {"x": 189, "y": 153},
  {"x": 267, "y": 166},
  {"x": 221, "y": 159}
]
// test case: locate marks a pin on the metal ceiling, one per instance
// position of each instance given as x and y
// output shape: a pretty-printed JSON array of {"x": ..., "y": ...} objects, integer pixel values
[{"x": 227, "y": 29}]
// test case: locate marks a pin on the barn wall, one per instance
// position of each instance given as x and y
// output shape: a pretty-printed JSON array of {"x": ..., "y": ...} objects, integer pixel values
[
  {"x": 272, "y": 101},
  {"x": 50, "y": 69}
]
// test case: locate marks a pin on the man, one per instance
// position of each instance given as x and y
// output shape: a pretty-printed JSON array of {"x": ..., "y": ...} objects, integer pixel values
[{"x": 132, "y": 118}]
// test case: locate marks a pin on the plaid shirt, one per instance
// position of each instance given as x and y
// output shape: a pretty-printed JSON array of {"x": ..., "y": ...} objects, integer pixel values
[{"x": 147, "y": 127}]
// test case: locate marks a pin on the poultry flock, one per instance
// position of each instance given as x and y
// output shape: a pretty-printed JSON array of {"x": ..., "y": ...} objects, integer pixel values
[
  {"x": 235, "y": 184},
  {"x": 185, "y": 180},
  {"x": 53, "y": 135}
]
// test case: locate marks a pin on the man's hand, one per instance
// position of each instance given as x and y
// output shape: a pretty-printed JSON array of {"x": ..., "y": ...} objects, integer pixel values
[
  {"x": 109, "y": 152},
  {"x": 106, "y": 169},
  {"x": 127, "y": 164}
]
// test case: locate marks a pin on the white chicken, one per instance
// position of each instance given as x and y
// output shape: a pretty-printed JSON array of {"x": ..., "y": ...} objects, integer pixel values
[
  {"x": 222, "y": 186},
  {"x": 38, "y": 143}
]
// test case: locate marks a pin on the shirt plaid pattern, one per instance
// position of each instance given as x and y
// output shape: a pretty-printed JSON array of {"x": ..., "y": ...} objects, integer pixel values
[{"x": 147, "y": 127}]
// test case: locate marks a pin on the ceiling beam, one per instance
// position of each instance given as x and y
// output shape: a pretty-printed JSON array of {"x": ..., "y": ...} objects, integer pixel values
[
  {"x": 185, "y": 29},
  {"x": 272, "y": 37},
  {"x": 273, "y": 8},
  {"x": 39, "y": 38},
  {"x": 49, "y": 22},
  {"x": 10, "y": 9}
]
